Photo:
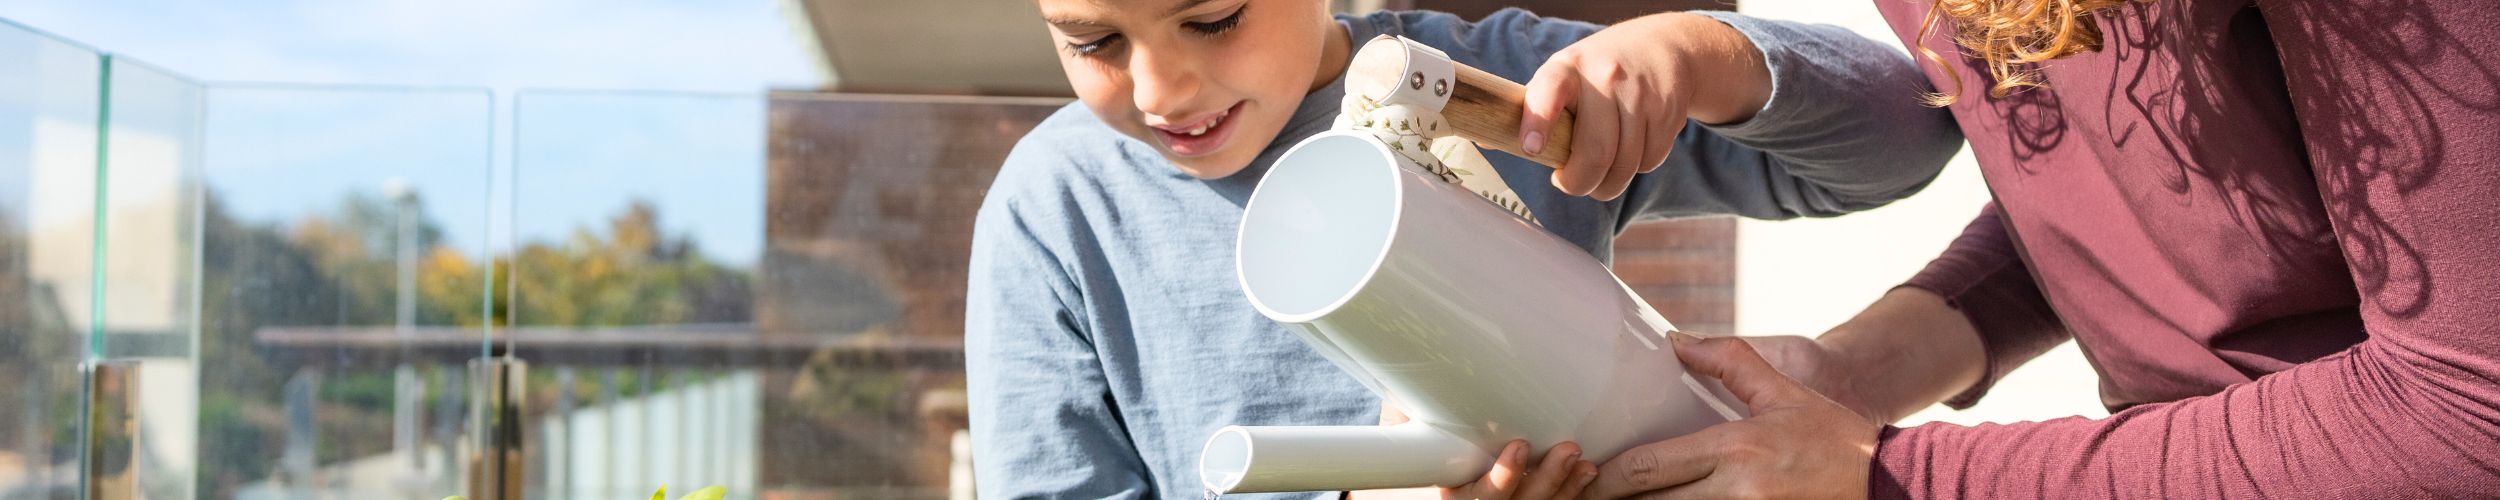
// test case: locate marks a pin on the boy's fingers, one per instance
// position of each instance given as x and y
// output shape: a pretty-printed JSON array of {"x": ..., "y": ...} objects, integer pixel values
[
  {"x": 1632, "y": 135},
  {"x": 1390, "y": 414},
  {"x": 1735, "y": 363},
  {"x": 1592, "y": 144},
  {"x": 1661, "y": 140},
  {"x": 1508, "y": 470},
  {"x": 1582, "y": 474},
  {"x": 1551, "y": 472},
  {"x": 1549, "y": 91}
]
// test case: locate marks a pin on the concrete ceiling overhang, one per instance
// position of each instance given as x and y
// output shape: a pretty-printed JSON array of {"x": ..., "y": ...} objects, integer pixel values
[
  {"x": 967, "y": 47},
  {"x": 972, "y": 47}
]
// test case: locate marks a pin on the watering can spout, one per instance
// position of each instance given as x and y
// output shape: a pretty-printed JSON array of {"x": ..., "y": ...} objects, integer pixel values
[{"x": 1262, "y": 459}]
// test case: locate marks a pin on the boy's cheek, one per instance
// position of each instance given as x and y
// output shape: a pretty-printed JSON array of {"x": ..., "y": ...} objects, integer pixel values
[{"x": 1107, "y": 96}]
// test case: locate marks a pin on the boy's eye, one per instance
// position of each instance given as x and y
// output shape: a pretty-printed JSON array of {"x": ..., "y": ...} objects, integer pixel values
[
  {"x": 1219, "y": 26},
  {"x": 1093, "y": 47}
]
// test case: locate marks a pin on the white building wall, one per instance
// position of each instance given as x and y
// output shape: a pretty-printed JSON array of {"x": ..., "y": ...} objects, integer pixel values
[{"x": 702, "y": 434}]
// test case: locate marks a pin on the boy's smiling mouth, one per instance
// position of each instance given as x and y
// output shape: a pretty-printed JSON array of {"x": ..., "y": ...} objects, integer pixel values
[{"x": 1200, "y": 136}]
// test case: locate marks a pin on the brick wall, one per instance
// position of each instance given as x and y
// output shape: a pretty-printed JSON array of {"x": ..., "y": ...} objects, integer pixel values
[
  {"x": 1686, "y": 268},
  {"x": 869, "y": 207}
]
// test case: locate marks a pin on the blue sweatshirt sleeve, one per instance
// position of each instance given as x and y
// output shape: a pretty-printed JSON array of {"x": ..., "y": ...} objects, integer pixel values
[
  {"x": 1843, "y": 131},
  {"x": 1043, "y": 425}
]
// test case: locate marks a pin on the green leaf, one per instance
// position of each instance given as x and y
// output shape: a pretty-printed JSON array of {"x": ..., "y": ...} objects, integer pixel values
[
  {"x": 712, "y": 493},
  {"x": 660, "y": 495}
]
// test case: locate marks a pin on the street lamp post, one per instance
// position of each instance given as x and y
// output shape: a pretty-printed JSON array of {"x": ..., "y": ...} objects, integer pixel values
[{"x": 409, "y": 392}]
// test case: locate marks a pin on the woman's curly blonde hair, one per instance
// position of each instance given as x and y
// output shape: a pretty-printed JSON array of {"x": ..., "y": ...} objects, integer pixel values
[{"x": 2012, "y": 36}]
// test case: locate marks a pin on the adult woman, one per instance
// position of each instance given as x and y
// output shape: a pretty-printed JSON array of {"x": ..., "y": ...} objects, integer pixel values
[{"x": 2272, "y": 227}]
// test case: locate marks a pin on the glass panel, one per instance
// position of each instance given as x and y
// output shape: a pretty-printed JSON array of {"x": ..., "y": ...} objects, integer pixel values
[
  {"x": 639, "y": 220},
  {"x": 761, "y": 294},
  {"x": 343, "y": 277},
  {"x": 50, "y": 96},
  {"x": 151, "y": 165}
]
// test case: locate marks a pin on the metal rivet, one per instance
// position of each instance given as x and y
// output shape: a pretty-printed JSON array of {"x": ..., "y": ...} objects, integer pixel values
[
  {"x": 1440, "y": 88},
  {"x": 1417, "y": 82}
]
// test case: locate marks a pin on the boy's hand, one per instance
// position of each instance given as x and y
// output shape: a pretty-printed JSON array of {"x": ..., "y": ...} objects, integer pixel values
[
  {"x": 1560, "y": 474},
  {"x": 1632, "y": 86}
]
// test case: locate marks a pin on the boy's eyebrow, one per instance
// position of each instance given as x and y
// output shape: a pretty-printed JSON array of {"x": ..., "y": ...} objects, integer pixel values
[
  {"x": 1070, "y": 21},
  {"x": 1177, "y": 9},
  {"x": 1185, "y": 5}
]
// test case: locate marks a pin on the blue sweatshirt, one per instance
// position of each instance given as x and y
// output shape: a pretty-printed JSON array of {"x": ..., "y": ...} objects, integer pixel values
[{"x": 1106, "y": 337}]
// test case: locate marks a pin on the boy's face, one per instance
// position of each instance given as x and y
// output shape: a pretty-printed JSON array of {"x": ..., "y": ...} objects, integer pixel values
[{"x": 1208, "y": 82}]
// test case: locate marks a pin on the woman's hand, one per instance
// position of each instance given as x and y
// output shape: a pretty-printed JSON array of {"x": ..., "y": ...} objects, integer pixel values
[
  {"x": 1631, "y": 87},
  {"x": 1560, "y": 474},
  {"x": 1797, "y": 444},
  {"x": 1815, "y": 365}
]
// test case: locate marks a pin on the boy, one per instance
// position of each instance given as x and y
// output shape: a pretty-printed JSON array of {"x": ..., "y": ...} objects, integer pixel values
[{"x": 1106, "y": 337}]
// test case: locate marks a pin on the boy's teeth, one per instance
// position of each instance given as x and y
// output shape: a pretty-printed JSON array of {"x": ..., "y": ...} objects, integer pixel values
[{"x": 1202, "y": 127}]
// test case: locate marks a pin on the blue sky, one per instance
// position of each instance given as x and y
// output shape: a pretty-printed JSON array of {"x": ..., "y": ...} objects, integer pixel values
[
  {"x": 700, "y": 45},
  {"x": 620, "y": 99}
]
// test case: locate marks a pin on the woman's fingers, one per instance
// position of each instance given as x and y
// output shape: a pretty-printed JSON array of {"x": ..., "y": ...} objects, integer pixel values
[
  {"x": 1656, "y": 466},
  {"x": 1735, "y": 363}
]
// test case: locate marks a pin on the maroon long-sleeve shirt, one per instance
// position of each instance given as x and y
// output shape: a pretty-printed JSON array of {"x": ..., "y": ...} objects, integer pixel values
[{"x": 2273, "y": 228}]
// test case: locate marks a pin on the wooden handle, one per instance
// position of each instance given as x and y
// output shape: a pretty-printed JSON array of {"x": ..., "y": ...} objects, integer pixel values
[
  {"x": 1486, "y": 109},
  {"x": 1481, "y": 107}
]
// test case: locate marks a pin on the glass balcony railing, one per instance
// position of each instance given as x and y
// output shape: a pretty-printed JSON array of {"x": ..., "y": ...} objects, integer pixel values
[
  {"x": 243, "y": 290},
  {"x": 51, "y": 103}
]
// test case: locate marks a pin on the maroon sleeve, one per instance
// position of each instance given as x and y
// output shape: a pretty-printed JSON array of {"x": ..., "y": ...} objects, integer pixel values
[
  {"x": 1981, "y": 276},
  {"x": 2399, "y": 108}
]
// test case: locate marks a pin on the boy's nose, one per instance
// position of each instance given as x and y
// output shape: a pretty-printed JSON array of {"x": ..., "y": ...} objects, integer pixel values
[{"x": 1165, "y": 83}]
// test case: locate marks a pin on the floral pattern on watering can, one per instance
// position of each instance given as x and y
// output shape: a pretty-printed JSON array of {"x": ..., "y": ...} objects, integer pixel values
[{"x": 1417, "y": 135}]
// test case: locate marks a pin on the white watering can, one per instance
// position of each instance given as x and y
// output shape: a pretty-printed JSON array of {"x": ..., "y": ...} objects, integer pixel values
[{"x": 1481, "y": 326}]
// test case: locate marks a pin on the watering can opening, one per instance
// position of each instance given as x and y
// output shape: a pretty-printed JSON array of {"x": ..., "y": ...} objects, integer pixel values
[
  {"x": 1319, "y": 226},
  {"x": 1225, "y": 460}
]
